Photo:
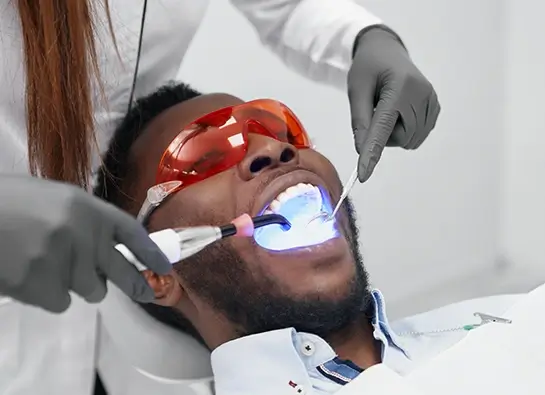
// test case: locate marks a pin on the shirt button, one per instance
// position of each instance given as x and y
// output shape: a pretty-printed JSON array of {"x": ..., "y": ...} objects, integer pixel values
[
  {"x": 300, "y": 390},
  {"x": 307, "y": 348}
]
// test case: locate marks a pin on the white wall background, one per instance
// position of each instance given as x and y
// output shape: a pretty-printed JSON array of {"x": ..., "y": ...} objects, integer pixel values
[
  {"x": 459, "y": 217},
  {"x": 523, "y": 231}
]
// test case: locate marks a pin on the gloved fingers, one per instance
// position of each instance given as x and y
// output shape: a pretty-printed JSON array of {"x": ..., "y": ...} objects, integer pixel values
[
  {"x": 122, "y": 228},
  {"x": 361, "y": 96},
  {"x": 382, "y": 126},
  {"x": 434, "y": 108},
  {"x": 112, "y": 265},
  {"x": 415, "y": 121},
  {"x": 88, "y": 283},
  {"x": 399, "y": 135},
  {"x": 418, "y": 130},
  {"x": 127, "y": 278},
  {"x": 99, "y": 293},
  {"x": 403, "y": 131},
  {"x": 54, "y": 304},
  {"x": 78, "y": 259},
  {"x": 133, "y": 235},
  {"x": 429, "y": 130},
  {"x": 43, "y": 291},
  {"x": 406, "y": 129}
]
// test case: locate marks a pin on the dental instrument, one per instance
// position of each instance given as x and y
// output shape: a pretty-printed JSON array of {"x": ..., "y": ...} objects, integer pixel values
[
  {"x": 181, "y": 243},
  {"x": 346, "y": 191}
]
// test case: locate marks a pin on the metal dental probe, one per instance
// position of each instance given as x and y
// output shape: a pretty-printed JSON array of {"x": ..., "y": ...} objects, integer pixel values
[
  {"x": 346, "y": 191},
  {"x": 181, "y": 243}
]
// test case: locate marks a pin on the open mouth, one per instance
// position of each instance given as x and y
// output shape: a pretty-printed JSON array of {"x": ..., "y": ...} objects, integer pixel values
[{"x": 299, "y": 204}]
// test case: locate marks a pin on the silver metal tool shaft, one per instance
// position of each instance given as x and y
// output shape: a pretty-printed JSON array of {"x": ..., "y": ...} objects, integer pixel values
[
  {"x": 176, "y": 244},
  {"x": 193, "y": 240},
  {"x": 346, "y": 191}
]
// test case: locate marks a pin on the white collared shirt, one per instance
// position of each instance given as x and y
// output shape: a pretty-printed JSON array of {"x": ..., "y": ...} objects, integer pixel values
[
  {"x": 138, "y": 355},
  {"x": 290, "y": 362},
  {"x": 298, "y": 361}
]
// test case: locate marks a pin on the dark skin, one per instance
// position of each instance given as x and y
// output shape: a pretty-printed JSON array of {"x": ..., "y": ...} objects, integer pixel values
[{"x": 246, "y": 188}]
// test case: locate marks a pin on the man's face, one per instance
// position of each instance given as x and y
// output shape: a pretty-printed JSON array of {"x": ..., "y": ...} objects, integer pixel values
[{"x": 317, "y": 289}]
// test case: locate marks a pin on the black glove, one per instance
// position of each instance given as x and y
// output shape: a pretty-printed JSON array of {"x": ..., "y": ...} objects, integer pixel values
[
  {"x": 391, "y": 102},
  {"x": 56, "y": 238}
]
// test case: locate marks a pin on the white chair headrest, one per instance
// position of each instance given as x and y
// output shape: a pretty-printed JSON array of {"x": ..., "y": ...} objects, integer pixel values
[{"x": 150, "y": 345}]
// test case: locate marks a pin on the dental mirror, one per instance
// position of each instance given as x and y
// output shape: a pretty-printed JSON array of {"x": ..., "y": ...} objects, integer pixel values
[{"x": 346, "y": 191}]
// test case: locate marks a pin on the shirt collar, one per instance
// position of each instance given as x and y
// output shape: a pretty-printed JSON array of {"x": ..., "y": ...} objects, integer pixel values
[
  {"x": 279, "y": 354},
  {"x": 382, "y": 325},
  {"x": 267, "y": 360}
]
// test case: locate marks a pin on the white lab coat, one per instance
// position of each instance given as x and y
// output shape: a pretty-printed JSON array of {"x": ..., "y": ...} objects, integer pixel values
[{"x": 42, "y": 353}]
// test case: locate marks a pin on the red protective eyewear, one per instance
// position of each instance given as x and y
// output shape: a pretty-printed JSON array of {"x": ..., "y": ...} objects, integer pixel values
[{"x": 219, "y": 141}]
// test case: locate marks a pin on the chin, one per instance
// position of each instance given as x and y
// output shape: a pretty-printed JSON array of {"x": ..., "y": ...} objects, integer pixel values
[
  {"x": 323, "y": 272},
  {"x": 315, "y": 301},
  {"x": 331, "y": 280}
]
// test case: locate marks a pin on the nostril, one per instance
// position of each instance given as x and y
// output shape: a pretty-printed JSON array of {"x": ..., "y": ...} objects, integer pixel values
[
  {"x": 260, "y": 163},
  {"x": 287, "y": 155}
]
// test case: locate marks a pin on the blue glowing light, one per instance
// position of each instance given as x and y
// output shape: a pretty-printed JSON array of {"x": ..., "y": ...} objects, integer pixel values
[{"x": 303, "y": 233}]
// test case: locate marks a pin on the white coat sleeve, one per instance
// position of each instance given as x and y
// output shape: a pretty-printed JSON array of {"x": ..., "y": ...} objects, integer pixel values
[{"x": 313, "y": 37}]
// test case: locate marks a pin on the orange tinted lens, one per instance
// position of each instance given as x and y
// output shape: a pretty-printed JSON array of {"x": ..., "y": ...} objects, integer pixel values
[
  {"x": 218, "y": 141},
  {"x": 204, "y": 153},
  {"x": 275, "y": 120}
]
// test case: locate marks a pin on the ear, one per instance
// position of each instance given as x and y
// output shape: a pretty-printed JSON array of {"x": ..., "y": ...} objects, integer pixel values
[{"x": 167, "y": 289}]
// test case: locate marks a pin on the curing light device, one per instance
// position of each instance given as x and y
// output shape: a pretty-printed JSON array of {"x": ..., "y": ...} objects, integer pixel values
[
  {"x": 302, "y": 205},
  {"x": 179, "y": 244}
]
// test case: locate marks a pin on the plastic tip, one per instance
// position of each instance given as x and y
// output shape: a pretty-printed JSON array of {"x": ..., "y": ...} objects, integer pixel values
[{"x": 244, "y": 226}]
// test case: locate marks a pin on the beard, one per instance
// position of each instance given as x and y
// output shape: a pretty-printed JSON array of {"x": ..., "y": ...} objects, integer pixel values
[{"x": 257, "y": 305}]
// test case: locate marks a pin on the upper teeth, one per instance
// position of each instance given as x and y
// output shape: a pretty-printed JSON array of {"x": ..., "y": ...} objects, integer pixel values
[{"x": 313, "y": 193}]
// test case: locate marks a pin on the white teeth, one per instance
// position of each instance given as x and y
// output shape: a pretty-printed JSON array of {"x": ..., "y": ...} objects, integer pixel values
[
  {"x": 275, "y": 205},
  {"x": 291, "y": 191},
  {"x": 285, "y": 196},
  {"x": 294, "y": 191}
]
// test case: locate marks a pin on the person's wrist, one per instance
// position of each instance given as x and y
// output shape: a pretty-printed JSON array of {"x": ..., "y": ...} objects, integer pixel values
[{"x": 374, "y": 30}]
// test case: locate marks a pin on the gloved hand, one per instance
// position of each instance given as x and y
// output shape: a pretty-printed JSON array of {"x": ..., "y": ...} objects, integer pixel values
[
  {"x": 55, "y": 238},
  {"x": 391, "y": 102}
]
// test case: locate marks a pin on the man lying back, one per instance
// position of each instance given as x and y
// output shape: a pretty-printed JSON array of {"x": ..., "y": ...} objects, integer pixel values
[{"x": 282, "y": 312}]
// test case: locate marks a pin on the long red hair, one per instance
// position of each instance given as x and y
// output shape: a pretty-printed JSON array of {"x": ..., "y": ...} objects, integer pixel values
[{"x": 61, "y": 66}]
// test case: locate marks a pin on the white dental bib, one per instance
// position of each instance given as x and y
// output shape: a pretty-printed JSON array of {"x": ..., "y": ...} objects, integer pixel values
[{"x": 499, "y": 359}]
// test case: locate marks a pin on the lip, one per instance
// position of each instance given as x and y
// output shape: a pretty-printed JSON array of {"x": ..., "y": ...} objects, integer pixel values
[
  {"x": 325, "y": 251},
  {"x": 282, "y": 182}
]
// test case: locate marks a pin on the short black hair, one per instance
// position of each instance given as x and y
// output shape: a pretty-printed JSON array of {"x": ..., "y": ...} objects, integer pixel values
[
  {"x": 115, "y": 162},
  {"x": 115, "y": 170}
]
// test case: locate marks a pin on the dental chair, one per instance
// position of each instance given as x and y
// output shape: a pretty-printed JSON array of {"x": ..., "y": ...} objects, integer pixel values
[{"x": 139, "y": 355}]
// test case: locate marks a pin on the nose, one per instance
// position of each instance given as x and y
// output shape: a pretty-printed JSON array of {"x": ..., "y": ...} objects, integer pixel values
[{"x": 266, "y": 153}]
